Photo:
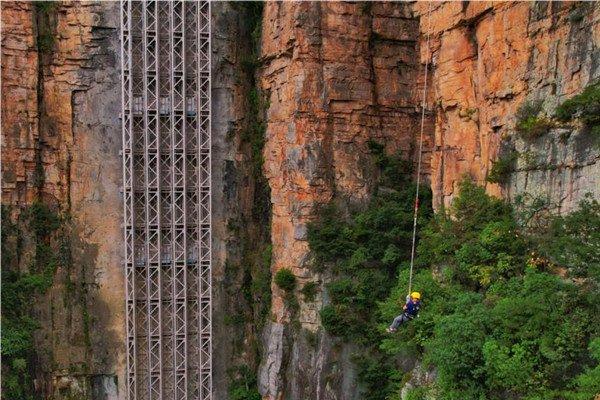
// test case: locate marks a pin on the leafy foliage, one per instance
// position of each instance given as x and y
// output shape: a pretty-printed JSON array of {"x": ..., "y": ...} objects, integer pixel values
[
  {"x": 530, "y": 124},
  {"x": 501, "y": 168},
  {"x": 495, "y": 324},
  {"x": 587, "y": 384},
  {"x": 395, "y": 171},
  {"x": 497, "y": 321},
  {"x": 285, "y": 279},
  {"x": 573, "y": 241},
  {"x": 18, "y": 290},
  {"x": 261, "y": 293},
  {"x": 243, "y": 384},
  {"x": 585, "y": 107},
  {"x": 534, "y": 127},
  {"x": 364, "y": 250},
  {"x": 309, "y": 291}
]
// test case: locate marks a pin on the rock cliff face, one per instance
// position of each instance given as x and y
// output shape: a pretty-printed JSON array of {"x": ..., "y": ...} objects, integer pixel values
[
  {"x": 336, "y": 76},
  {"x": 340, "y": 74},
  {"x": 292, "y": 124},
  {"x": 241, "y": 209},
  {"x": 488, "y": 58},
  {"x": 60, "y": 147}
]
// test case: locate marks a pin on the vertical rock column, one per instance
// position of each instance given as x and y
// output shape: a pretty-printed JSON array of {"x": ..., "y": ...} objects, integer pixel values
[
  {"x": 337, "y": 75},
  {"x": 19, "y": 103},
  {"x": 61, "y": 141}
]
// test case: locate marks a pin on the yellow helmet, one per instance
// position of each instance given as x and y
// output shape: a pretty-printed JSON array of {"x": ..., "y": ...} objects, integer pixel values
[{"x": 416, "y": 295}]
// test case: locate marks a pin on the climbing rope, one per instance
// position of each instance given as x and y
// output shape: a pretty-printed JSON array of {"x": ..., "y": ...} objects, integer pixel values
[{"x": 423, "y": 104}]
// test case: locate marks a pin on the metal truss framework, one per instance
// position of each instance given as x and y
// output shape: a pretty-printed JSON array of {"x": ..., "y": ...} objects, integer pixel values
[{"x": 165, "y": 52}]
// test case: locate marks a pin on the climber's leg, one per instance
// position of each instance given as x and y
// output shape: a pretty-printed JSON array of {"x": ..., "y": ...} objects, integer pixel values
[{"x": 397, "y": 322}]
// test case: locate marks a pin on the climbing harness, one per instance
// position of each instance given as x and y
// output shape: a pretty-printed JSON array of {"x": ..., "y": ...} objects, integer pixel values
[{"x": 423, "y": 103}]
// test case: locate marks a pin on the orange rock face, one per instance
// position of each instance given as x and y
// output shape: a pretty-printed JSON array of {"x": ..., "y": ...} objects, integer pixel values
[
  {"x": 19, "y": 102},
  {"x": 337, "y": 80},
  {"x": 336, "y": 75},
  {"x": 60, "y": 145},
  {"x": 490, "y": 57}
]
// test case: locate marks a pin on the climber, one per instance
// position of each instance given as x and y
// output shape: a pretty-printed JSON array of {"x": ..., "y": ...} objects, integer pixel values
[{"x": 411, "y": 309}]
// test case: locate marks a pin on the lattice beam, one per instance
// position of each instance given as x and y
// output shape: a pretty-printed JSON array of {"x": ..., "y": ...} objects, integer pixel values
[{"x": 165, "y": 56}]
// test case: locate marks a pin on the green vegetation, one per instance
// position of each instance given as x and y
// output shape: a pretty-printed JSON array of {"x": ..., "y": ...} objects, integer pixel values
[
  {"x": 498, "y": 322},
  {"x": 502, "y": 168},
  {"x": 572, "y": 241},
  {"x": 309, "y": 291},
  {"x": 285, "y": 279},
  {"x": 584, "y": 107},
  {"x": 254, "y": 134},
  {"x": 393, "y": 169},
  {"x": 45, "y": 34},
  {"x": 252, "y": 137},
  {"x": 45, "y": 42},
  {"x": 251, "y": 229},
  {"x": 20, "y": 287},
  {"x": 530, "y": 124},
  {"x": 534, "y": 127},
  {"x": 45, "y": 6},
  {"x": 243, "y": 384},
  {"x": 509, "y": 311},
  {"x": 364, "y": 250},
  {"x": 260, "y": 287}
]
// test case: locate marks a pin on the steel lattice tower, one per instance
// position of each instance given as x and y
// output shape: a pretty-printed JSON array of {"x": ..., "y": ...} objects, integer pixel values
[{"x": 165, "y": 52}]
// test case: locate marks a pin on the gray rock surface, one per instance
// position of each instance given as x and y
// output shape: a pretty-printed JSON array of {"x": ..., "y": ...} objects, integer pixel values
[{"x": 560, "y": 168}]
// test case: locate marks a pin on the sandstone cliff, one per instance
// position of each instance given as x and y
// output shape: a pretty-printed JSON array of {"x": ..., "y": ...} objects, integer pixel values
[
  {"x": 61, "y": 142},
  {"x": 337, "y": 75},
  {"x": 488, "y": 58},
  {"x": 60, "y": 148},
  {"x": 295, "y": 106}
]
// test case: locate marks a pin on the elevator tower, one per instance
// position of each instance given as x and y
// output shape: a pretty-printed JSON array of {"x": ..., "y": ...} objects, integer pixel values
[{"x": 165, "y": 54}]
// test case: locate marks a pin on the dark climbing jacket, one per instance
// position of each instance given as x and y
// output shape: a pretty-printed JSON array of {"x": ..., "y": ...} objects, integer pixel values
[{"x": 412, "y": 309}]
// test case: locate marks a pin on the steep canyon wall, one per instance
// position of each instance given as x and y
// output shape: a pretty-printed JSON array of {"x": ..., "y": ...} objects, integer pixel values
[
  {"x": 488, "y": 59},
  {"x": 241, "y": 206},
  {"x": 295, "y": 105},
  {"x": 336, "y": 76},
  {"x": 61, "y": 142},
  {"x": 340, "y": 74},
  {"x": 60, "y": 149}
]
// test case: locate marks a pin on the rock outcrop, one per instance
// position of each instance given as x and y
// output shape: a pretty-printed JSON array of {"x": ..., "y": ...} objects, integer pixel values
[
  {"x": 60, "y": 147},
  {"x": 487, "y": 59},
  {"x": 555, "y": 171},
  {"x": 337, "y": 75}
]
